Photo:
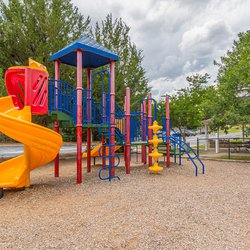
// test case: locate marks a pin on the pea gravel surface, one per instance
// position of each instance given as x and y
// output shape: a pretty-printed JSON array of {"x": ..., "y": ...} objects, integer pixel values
[{"x": 173, "y": 210}]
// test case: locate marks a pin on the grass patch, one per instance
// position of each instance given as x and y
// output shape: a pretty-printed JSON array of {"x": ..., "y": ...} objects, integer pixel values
[
  {"x": 200, "y": 147},
  {"x": 234, "y": 129},
  {"x": 235, "y": 157}
]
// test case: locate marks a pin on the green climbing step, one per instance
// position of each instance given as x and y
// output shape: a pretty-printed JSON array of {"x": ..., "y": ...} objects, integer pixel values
[
  {"x": 64, "y": 119},
  {"x": 95, "y": 126},
  {"x": 138, "y": 143}
]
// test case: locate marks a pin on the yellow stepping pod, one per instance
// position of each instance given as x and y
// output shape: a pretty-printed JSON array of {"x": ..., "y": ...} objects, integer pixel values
[{"x": 155, "y": 168}]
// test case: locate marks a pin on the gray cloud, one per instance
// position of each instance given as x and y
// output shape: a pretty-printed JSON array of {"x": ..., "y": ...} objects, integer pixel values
[
  {"x": 178, "y": 37},
  {"x": 200, "y": 41}
]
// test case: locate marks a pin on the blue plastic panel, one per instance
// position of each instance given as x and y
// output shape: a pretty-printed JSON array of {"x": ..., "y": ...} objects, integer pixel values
[{"x": 94, "y": 54}]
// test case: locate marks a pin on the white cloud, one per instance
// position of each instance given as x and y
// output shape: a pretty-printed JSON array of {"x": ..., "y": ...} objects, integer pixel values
[
  {"x": 202, "y": 41},
  {"x": 178, "y": 37}
]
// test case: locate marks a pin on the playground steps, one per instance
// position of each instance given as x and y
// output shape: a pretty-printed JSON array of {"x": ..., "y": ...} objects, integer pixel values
[
  {"x": 108, "y": 167},
  {"x": 189, "y": 151},
  {"x": 105, "y": 131}
]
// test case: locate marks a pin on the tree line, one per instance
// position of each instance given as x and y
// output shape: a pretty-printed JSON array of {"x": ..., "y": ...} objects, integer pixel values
[
  {"x": 225, "y": 103},
  {"x": 37, "y": 29}
]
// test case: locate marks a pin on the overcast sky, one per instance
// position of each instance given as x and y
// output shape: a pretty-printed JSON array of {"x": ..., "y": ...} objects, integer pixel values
[{"x": 178, "y": 37}]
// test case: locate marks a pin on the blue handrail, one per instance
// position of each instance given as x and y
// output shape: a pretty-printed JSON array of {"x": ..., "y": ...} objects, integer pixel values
[{"x": 187, "y": 149}]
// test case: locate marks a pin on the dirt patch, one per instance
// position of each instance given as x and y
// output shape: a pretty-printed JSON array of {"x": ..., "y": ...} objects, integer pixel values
[{"x": 174, "y": 210}]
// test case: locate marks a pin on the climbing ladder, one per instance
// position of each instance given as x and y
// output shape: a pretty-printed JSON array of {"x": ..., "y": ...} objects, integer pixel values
[
  {"x": 192, "y": 156},
  {"x": 107, "y": 134}
]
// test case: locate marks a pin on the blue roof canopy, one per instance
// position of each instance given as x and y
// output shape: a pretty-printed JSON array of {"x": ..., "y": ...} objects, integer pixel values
[{"x": 94, "y": 54}]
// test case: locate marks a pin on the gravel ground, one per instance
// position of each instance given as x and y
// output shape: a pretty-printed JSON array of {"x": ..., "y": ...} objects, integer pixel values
[{"x": 174, "y": 210}]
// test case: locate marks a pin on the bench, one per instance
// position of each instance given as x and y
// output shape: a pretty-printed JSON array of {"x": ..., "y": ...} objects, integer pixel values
[{"x": 243, "y": 146}]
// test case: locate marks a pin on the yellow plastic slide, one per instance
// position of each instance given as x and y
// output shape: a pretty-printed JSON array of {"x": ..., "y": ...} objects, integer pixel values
[
  {"x": 41, "y": 144},
  {"x": 94, "y": 151}
]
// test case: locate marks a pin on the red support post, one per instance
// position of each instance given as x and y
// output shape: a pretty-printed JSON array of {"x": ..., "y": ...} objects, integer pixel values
[
  {"x": 127, "y": 124},
  {"x": 142, "y": 113},
  {"x": 112, "y": 115},
  {"x": 103, "y": 152},
  {"x": 150, "y": 132},
  {"x": 104, "y": 119},
  {"x": 57, "y": 78},
  {"x": 56, "y": 123},
  {"x": 79, "y": 117},
  {"x": 144, "y": 149},
  {"x": 125, "y": 130},
  {"x": 89, "y": 89},
  {"x": 167, "y": 132},
  {"x": 56, "y": 161}
]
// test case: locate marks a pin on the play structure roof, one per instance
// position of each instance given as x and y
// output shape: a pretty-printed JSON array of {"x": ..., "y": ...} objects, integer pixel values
[{"x": 94, "y": 54}]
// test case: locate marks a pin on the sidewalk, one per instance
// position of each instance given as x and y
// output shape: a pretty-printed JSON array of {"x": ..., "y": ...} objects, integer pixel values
[
  {"x": 68, "y": 150},
  {"x": 11, "y": 150}
]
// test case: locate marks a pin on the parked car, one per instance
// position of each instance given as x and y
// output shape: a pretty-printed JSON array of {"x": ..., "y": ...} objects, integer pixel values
[
  {"x": 202, "y": 132},
  {"x": 187, "y": 133},
  {"x": 190, "y": 133}
]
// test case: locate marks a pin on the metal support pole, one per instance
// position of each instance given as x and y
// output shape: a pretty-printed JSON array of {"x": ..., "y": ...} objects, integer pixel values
[
  {"x": 112, "y": 116},
  {"x": 127, "y": 124},
  {"x": 229, "y": 149},
  {"x": 217, "y": 147},
  {"x": 136, "y": 152},
  {"x": 174, "y": 152},
  {"x": 150, "y": 132},
  {"x": 1, "y": 193},
  {"x": 89, "y": 89},
  {"x": 198, "y": 146},
  {"x": 79, "y": 117},
  {"x": 206, "y": 137},
  {"x": 179, "y": 152}
]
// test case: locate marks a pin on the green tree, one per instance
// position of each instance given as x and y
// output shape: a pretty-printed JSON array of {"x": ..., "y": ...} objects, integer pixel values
[
  {"x": 37, "y": 29},
  {"x": 189, "y": 106},
  {"x": 234, "y": 82},
  {"x": 114, "y": 34},
  {"x": 2, "y": 85}
]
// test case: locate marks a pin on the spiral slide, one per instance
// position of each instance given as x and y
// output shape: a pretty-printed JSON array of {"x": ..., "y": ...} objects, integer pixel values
[{"x": 41, "y": 144}]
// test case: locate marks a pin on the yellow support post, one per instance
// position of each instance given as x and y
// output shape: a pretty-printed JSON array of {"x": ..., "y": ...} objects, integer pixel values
[{"x": 155, "y": 168}]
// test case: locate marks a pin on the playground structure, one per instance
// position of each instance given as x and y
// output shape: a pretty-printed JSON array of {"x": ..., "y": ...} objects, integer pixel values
[
  {"x": 33, "y": 93},
  {"x": 117, "y": 127}
]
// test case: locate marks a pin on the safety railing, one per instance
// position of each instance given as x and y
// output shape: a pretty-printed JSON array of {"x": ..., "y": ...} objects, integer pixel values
[{"x": 61, "y": 96}]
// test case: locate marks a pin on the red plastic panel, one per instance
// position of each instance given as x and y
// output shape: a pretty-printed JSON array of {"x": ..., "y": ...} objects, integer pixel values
[
  {"x": 14, "y": 81},
  {"x": 28, "y": 87},
  {"x": 36, "y": 90}
]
